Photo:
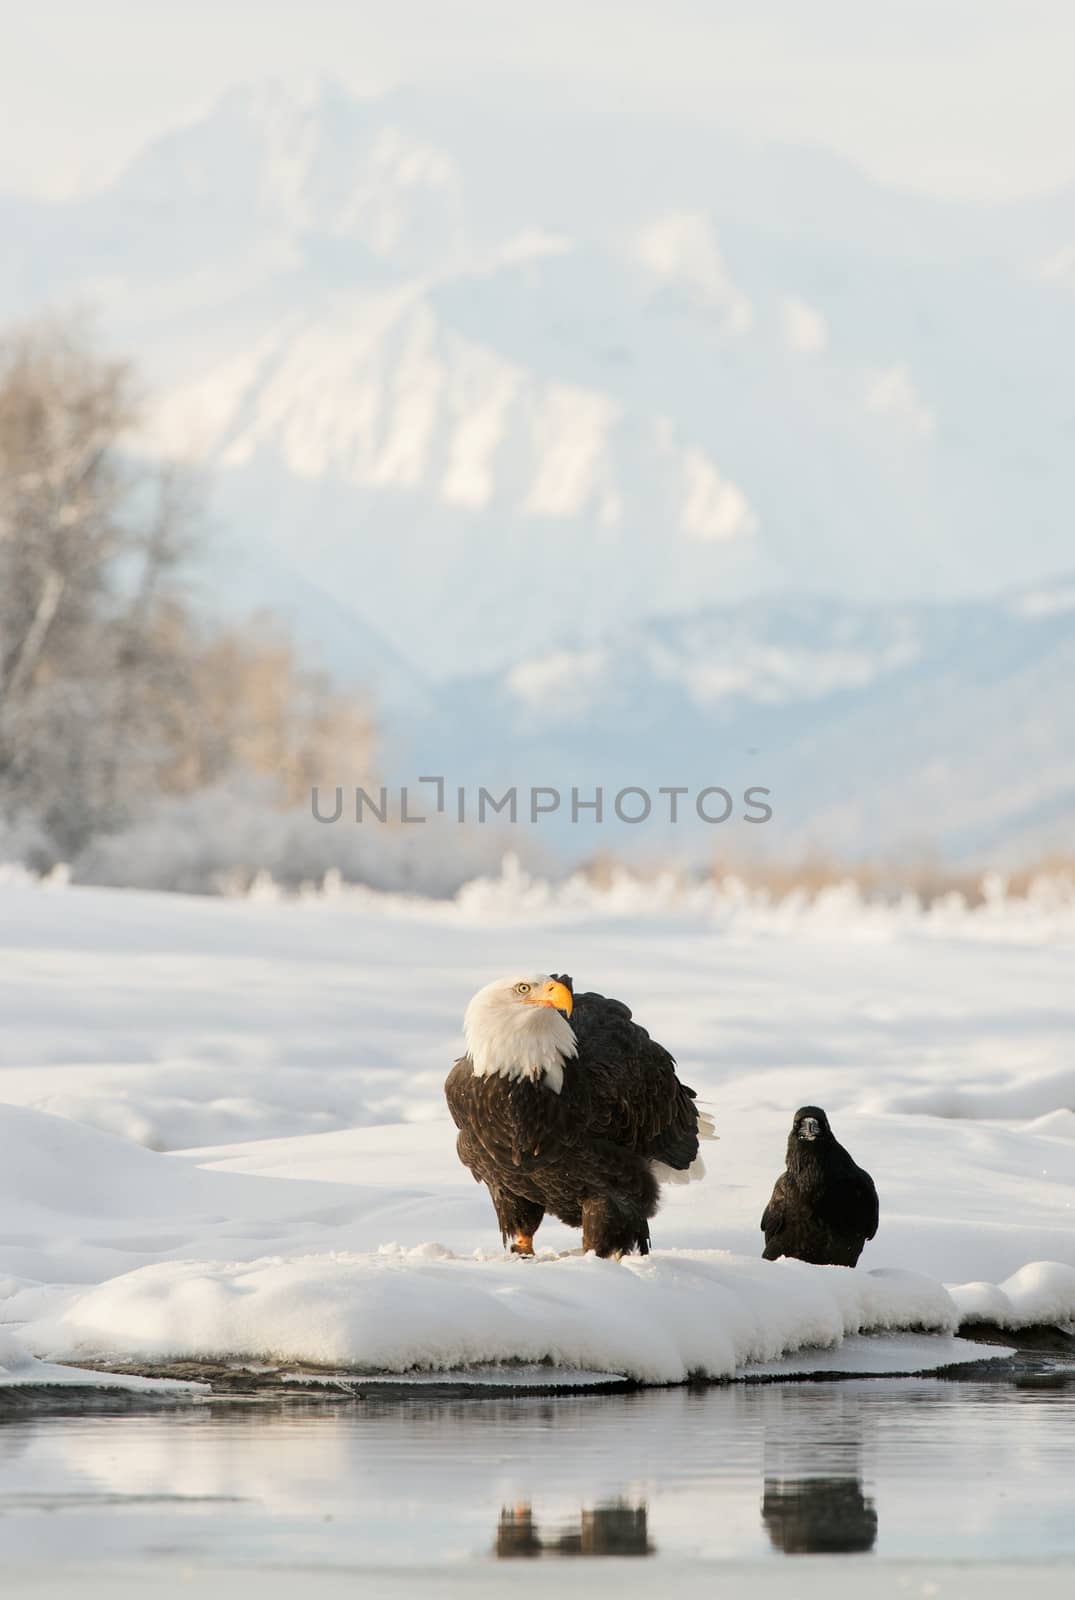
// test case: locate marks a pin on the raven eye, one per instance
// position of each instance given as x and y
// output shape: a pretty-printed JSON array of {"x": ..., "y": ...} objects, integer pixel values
[{"x": 522, "y": 988}]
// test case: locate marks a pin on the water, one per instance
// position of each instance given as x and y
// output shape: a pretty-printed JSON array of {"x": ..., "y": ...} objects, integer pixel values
[{"x": 900, "y": 1468}]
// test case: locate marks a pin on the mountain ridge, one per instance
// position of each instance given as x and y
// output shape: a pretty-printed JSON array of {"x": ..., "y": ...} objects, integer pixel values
[
  {"x": 496, "y": 392},
  {"x": 405, "y": 322}
]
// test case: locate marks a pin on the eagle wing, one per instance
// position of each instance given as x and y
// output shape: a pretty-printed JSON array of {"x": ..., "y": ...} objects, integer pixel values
[
  {"x": 459, "y": 1088},
  {"x": 480, "y": 1133},
  {"x": 626, "y": 1085},
  {"x": 508, "y": 1125}
]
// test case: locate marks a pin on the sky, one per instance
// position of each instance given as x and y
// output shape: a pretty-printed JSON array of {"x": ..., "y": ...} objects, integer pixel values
[{"x": 964, "y": 99}]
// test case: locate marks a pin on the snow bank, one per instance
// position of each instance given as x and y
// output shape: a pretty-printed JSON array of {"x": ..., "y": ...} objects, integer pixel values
[
  {"x": 658, "y": 1320},
  {"x": 170, "y": 854},
  {"x": 332, "y": 1022},
  {"x": 179, "y": 1022},
  {"x": 1041, "y": 1292},
  {"x": 1032, "y": 1096},
  {"x": 113, "y": 1250},
  {"x": 19, "y": 1369},
  {"x": 1054, "y": 1125},
  {"x": 1046, "y": 910},
  {"x": 233, "y": 839}
]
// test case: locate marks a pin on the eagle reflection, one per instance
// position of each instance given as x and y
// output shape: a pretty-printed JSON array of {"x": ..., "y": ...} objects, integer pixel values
[
  {"x": 616, "y": 1529},
  {"x": 818, "y": 1516}
]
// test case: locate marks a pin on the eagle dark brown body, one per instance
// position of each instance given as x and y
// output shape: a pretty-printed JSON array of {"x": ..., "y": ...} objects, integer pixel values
[{"x": 585, "y": 1154}]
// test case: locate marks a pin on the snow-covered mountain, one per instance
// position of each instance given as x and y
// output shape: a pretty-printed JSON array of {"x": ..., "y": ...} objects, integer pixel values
[
  {"x": 528, "y": 419},
  {"x": 479, "y": 367},
  {"x": 894, "y": 732}
]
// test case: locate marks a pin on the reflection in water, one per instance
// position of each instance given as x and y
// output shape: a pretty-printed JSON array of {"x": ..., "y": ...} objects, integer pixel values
[
  {"x": 617, "y": 1529},
  {"x": 805, "y": 1516},
  {"x": 742, "y": 1473},
  {"x": 813, "y": 1500}
]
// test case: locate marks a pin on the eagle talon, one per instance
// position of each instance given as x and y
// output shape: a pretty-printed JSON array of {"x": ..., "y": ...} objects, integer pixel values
[{"x": 523, "y": 1246}]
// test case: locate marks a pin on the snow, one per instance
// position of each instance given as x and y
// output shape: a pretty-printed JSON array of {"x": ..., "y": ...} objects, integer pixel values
[
  {"x": 660, "y": 1320},
  {"x": 875, "y": 1356},
  {"x": 804, "y": 327},
  {"x": 1042, "y": 1291},
  {"x": 571, "y": 429},
  {"x": 318, "y": 1213},
  {"x": 544, "y": 685},
  {"x": 305, "y": 281},
  {"x": 894, "y": 393},
  {"x": 379, "y": 393},
  {"x": 714, "y": 509},
  {"x": 1046, "y": 1098},
  {"x": 21, "y": 1370},
  {"x": 682, "y": 254}
]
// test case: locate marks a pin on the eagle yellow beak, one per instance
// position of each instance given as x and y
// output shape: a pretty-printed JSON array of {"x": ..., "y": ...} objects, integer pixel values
[{"x": 556, "y": 995}]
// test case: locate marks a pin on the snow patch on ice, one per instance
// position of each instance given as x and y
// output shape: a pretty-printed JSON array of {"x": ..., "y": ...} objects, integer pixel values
[
  {"x": 874, "y": 1355},
  {"x": 184, "y": 1020},
  {"x": 19, "y": 1369},
  {"x": 1040, "y": 1292},
  {"x": 659, "y": 1319}
]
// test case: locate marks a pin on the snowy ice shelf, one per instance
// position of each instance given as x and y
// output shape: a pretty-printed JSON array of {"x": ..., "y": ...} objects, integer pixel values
[
  {"x": 298, "y": 1051},
  {"x": 21, "y": 1370},
  {"x": 663, "y": 1319}
]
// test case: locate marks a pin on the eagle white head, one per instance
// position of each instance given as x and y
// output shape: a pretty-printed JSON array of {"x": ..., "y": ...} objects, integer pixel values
[{"x": 518, "y": 1028}]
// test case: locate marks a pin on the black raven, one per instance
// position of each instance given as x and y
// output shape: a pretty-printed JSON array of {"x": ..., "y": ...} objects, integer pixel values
[{"x": 824, "y": 1207}]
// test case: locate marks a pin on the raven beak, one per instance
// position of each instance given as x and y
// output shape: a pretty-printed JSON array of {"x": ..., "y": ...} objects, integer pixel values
[
  {"x": 809, "y": 1128},
  {"x": 556, "y": 996}
]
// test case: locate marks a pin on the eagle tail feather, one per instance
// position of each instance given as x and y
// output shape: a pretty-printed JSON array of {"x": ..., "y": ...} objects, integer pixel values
[{"x": 666, "y": 1174}]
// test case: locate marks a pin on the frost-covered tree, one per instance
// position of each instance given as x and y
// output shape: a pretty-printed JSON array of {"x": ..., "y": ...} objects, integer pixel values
[
  {"x": 114, "y": 694},
  {"x": 88, "y": 540}
]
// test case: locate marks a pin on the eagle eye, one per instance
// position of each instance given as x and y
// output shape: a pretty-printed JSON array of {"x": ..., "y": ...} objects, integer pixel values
[{"x": 522, "y": 988}]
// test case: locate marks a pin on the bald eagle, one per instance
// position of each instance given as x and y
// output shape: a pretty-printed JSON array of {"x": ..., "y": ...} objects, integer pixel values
[{"x": 564, "y": 1104}]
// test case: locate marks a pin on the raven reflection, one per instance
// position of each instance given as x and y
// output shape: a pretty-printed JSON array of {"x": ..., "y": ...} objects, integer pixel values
[{"x": 818, "y": 1516}]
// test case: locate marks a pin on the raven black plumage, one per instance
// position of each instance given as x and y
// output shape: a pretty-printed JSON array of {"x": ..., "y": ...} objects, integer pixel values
[
  {"x": 576, "y": 1119},
  {"x": 823, "y": 1207}
]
